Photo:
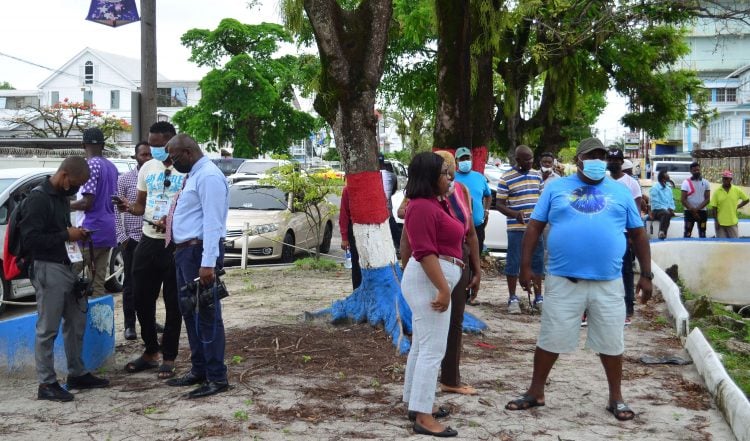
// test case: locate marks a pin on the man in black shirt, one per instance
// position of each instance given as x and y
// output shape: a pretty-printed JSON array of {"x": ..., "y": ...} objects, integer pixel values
[{"x": 50, "y": 241}]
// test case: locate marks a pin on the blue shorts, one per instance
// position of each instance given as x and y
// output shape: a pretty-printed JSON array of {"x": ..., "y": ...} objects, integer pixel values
[{"x": 513, "y": 257}]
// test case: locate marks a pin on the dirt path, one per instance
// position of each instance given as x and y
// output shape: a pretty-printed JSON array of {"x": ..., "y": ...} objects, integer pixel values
[{"x": 308, "y": 380}]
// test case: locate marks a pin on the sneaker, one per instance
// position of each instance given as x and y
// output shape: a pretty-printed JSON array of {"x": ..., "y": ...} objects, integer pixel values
[
  {"x": 539, "y": 303},
  {"x": 627, "y": 321},
  {"x": 584, "y": 322},
  {"x": 53, "y": 392},
  {"x": 87, "y": 381},
  {"x": 514, "y": 306},
  {"x": 662, "y": 235}
]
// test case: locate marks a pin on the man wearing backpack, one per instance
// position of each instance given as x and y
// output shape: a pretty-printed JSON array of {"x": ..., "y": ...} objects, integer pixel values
[{"x": 49, "y": 240}]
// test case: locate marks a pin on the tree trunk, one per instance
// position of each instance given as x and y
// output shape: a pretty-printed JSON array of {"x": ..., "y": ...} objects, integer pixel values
[{"x": 352, "y": 48}]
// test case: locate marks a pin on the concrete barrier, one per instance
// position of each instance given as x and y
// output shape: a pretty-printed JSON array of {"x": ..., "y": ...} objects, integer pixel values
[
  {"x": 671, "y": 293},
  {"x": 728, "y": 397},
  {"x": 17, "y": 339}
]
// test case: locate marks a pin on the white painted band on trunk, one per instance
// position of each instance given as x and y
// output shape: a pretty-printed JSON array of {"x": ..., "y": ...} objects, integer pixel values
[{"x": 374, "y": 245}]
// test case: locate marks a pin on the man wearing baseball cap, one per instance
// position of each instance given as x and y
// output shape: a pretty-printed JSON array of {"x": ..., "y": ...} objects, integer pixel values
[
  {"x": 585, "y": 211},
  {"x": 481, "y": 197},
  {"x": 94, "y": 205},
  {"x": 724, "y": 206}
]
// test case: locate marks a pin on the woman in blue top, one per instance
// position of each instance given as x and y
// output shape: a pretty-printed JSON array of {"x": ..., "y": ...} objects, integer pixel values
[{"x": 662, "y": 203}]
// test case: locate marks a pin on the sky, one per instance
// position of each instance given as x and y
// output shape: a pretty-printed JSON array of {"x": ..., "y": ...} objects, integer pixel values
[{"x": 50, "y": 32}]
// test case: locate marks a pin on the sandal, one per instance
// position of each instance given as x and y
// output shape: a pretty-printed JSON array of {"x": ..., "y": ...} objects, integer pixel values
[
  {"x": 140, "y": 364},
  {"x": 166, "y": 370},
  {"x": 621, "y": 411},
  {"x": 441, "y": 412},
  {"x": 463, "y": 389},
  {"x": 523, "y": 403}
]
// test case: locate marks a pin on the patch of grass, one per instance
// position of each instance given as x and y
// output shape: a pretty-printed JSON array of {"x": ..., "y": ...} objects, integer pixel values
[
  {"x": 241, "y": 415},
  {"x": 236, "y": 359},
  {"x": 661, "y": 320},
  {"x": 735, "y": 363},
  {"x": 150, "y": 410},
  {"x": 306, "y": 359},
  {"x": 249, "y": 402},
  {"x": 311, "y": 263}
]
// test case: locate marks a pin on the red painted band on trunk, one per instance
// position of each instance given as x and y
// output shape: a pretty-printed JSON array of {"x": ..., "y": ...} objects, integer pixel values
[
  {"x": 367, "y": 198},
  {"x": 478, "y": 156}
]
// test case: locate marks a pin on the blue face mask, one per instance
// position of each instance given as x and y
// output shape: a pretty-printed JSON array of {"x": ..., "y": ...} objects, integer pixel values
[
  {"x": 159, "y": 153},
  {"x": 464, "y": 166},
  {"x": 594, "y": 169}
]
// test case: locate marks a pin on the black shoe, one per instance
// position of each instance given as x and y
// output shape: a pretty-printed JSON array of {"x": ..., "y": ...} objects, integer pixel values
[
  {"x": 53, "y": 392},
  {"x": 446, "y": 433},
  {"x": 130, "y": 334},
  {"x": 442, "y": 412},
  {"x": 87, "y": 381},
  {"x": 210, "y": 388},
  {"x": 159, "y": 328},
  {"x": 188, "y": 379}
]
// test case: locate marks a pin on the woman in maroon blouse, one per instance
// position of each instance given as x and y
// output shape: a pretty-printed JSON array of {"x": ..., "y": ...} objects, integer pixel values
[{"x": 435, "y": 267}]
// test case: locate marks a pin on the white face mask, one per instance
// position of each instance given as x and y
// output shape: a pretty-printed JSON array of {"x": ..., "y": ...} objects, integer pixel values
[{"x": 546, "y": 169}]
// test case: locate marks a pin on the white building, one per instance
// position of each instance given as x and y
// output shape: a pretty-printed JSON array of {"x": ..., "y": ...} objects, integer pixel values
[{"x": 107, "y": 81}]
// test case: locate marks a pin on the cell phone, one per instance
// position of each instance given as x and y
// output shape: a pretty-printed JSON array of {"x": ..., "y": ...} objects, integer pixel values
[
  {"x": 89, "y": 231},
  {"x": 150, "y": 222},
  {"x": 116, "y": 199}
]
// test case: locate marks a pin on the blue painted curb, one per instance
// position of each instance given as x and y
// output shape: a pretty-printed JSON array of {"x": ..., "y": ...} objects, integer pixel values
[{"x": 17, "y": 339}]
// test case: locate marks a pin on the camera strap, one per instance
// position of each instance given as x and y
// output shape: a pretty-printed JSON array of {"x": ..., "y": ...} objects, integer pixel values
[{"x": 196, "y": 312}]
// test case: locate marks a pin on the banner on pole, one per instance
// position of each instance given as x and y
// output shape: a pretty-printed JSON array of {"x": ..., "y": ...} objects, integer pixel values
[{"x": 113, "y": 12}]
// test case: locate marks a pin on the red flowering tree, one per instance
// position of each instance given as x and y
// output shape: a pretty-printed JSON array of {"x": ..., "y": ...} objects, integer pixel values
[{"x": 68, "y": 118}]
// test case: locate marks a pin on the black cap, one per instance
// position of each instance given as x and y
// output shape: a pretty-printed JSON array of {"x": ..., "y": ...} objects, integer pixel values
[
  {"x": 615, "y": 154},
  {"x": 93, "y": 135}
]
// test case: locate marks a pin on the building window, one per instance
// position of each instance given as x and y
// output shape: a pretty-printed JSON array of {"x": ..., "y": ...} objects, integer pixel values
[
  {"x": 88, "y": 73},
  {"x": 88, "y": 97},
  {"x": 114, "y": 99},
  {"x": 725, "y": 95},
  {"x": 171, "y": 97},
  {"x": 747, "y": 128},
  {"x": 18, "y": 102},
  {"x": 54, "y": 97}
]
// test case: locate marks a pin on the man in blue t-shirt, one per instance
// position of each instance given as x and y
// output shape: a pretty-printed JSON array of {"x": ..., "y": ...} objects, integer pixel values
[
  {"x": 587, "y": 213},
  {"x": 478, "y": 189}
]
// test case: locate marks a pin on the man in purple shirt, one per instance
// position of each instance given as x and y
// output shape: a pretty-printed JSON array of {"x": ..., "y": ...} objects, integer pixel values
[{"x": 96, "y": 212}]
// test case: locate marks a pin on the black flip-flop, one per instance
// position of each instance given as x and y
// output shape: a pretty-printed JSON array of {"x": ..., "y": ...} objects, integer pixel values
[
  {"x": 524, "y": 403},
  {"x": 446, "y": 433},
  {"x": 442, "y": 412},
  {"x": 621, "y": 411},
  {"x": 140, "y": 364},
  {"x": 166, "y": 371}
]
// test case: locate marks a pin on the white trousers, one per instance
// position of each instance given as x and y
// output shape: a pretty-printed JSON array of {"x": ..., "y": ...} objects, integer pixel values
[{"x": 429, "y": 334}]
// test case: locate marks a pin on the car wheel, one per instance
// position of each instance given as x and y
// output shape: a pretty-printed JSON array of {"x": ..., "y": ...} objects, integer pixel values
[
  {"x": 4, "y": 292},
  {"x": 116, "y": 265},
  {"x": 287, "y": 250},
  {"x": 325, "y": 245}
]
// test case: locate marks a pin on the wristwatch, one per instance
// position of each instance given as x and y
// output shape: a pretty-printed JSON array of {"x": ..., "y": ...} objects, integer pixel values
[{"x": 649, "y": 275}]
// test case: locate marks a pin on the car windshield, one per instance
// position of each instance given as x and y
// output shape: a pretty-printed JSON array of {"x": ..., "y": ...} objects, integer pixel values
[
  {"x": 228, "y": 165},
  {"x": 257, "y": 167},
  {"x": 5, "y": 183},
  {"x": 250, "y": 197}
]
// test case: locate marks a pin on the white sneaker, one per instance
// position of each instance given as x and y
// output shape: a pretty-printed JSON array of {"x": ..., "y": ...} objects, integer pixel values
[{"x": 514, "y": 307}]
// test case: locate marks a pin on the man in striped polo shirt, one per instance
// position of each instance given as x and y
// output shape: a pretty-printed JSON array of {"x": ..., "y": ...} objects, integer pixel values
[{"x": 518, "y": 191}]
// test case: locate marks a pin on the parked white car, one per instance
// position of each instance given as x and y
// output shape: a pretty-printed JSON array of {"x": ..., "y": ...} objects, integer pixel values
[
  {"x": 279, "y": 232},
  {"x": 254, "y": 169},
  {"x": 15, "y": 185}
]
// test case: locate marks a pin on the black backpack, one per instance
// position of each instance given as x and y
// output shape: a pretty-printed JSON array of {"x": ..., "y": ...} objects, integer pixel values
[{"x": 16, "y": 259}]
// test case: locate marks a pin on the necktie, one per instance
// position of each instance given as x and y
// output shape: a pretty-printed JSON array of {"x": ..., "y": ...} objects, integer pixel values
[{"x": 170, "y": 215}]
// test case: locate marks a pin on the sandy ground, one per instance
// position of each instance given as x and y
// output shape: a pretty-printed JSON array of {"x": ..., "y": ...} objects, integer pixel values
[{"x": 309, "y": 380}]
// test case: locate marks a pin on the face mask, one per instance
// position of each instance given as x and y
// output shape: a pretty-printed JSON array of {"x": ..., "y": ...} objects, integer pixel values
[
  {"x": 159, "y": 153},
  {"x": 182, "y": 167},
  {"x": 696, "y": 176},
  {"x": 594, "y": 169},
  {"x": 546, "y": 169},
  {"x": 614, "y": 168},
  {"x": 464, "y": 166}
]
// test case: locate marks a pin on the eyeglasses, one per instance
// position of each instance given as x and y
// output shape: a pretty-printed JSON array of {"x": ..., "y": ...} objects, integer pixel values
[{"x": 167, "y": 182}]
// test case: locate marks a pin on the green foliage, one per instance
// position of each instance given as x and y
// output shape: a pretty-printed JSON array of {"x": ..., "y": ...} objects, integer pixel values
[
  {"x": 313, "y": 264},
  {"x": 246, "y": 98},
  {"x": 310, "y": 195},
  {"x": 4, "y": 85},
  {"x": 332, "y": 155},
  {"x": 241, "y": 415}
]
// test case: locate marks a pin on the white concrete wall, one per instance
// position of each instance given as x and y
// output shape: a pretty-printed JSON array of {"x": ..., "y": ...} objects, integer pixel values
[{"x": 712, "y": 267}]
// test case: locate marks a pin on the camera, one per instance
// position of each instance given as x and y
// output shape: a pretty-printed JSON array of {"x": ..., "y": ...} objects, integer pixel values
[
  {"x": 205, "y": 294},
  {"x": 82, "y": 287}
]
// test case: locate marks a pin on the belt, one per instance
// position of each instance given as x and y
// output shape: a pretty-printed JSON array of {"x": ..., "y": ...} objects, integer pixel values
[
  {"x": 189, "y": 243},
  {"x": 453, "y": 260}
]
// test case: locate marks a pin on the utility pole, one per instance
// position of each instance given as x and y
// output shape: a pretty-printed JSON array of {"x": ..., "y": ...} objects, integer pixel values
[{"x": 148, "y": 67}]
